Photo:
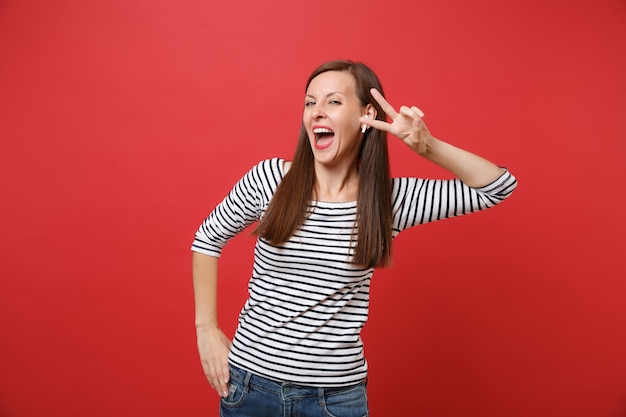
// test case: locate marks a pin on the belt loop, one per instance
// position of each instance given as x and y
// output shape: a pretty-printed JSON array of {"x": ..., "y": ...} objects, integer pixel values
[
  {"x": 246, "y": 381},
  {"x": 321, "y": 394}
]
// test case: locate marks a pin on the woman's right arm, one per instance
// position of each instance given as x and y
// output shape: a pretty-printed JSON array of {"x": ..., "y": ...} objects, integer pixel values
[
  {"x": 242, "y": 207},
  {"x": 213, "y": 345}
]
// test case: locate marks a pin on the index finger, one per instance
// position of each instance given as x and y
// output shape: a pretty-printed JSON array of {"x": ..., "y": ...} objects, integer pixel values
[{"x": 387, "y": 108}]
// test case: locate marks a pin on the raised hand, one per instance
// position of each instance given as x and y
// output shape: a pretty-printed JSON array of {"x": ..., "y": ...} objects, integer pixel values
[{"x": 407, "y": 124}]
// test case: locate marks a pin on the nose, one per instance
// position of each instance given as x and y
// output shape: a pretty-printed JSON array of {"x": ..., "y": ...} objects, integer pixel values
[{"x": 318, "y": 112}]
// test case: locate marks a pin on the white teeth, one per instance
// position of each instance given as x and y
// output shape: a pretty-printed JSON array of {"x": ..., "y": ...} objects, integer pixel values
[{"x": 322, "y": 130}]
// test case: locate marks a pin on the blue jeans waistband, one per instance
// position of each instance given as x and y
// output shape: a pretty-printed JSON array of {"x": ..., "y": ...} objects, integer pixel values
[
  {"x": 252, "y": 395},
  {"x": 285, "y": 388}
]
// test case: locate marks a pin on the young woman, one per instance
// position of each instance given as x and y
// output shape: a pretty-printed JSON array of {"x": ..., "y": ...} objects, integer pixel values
[{"x": 326, "y": 220}]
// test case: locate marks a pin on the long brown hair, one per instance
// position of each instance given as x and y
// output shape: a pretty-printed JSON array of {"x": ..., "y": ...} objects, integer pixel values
[{"x": 290, "y": 204}]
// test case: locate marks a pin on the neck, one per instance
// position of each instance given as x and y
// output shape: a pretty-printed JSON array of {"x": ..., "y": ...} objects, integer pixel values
[{"x": 340, "y": 184}]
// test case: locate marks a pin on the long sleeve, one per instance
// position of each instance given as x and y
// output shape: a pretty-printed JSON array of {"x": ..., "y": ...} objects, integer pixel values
[
  {"x": 418, "y": 201},
  {"x": 243, "y": 205}
]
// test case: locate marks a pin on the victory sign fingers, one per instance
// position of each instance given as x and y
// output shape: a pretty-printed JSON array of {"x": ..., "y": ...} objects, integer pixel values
[{"x": 406, "y": 124}]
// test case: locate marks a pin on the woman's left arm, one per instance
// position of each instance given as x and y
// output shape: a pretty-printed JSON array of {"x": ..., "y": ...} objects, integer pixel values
[
  {"x": 407, "y": 124},
  {"x": 472, "y": 169}
]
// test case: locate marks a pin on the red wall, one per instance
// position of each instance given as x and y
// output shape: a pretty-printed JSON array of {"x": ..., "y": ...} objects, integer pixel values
[{"x": 122, "y": 123}]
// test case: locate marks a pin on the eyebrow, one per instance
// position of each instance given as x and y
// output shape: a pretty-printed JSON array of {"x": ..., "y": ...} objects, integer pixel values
[{"x": 327, "y": 95}]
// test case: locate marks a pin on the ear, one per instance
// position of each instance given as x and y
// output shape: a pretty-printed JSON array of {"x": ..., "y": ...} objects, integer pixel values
[{"x": 370, "y": 110}]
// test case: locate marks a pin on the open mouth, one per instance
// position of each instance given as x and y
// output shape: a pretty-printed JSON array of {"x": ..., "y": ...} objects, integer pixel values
[{"x": 323, "y": 137}]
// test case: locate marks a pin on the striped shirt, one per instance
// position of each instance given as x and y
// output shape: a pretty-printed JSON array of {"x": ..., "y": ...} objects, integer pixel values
[{"x": 307, "y": 303}]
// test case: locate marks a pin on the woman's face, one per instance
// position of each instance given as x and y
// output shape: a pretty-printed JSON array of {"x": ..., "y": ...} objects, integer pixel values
[{"x": 331, "y": 118}]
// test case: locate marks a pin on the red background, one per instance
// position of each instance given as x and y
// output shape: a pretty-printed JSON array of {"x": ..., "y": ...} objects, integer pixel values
[{"x": 123, "y": 123}]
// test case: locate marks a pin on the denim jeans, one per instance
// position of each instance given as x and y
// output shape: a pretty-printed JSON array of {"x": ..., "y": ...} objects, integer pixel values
[{"x": 253, "y": 396}]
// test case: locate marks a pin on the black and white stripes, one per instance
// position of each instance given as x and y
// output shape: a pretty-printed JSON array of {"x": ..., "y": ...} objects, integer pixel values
[
  {"x": 418, "y": 201},
  {"x": 307, "y": 304}
]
